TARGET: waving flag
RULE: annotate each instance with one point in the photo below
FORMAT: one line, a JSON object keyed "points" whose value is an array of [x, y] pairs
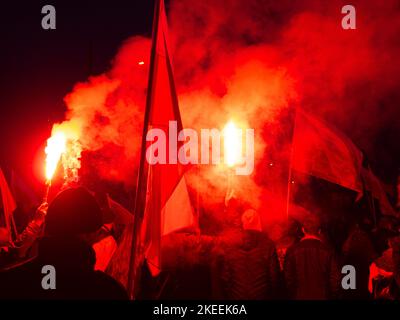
{"points": [[374, 185], [162, 201], [325, 153], [8, 205], [321, 151]]}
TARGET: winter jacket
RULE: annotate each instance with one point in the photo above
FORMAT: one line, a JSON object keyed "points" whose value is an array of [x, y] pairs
{"points": [[73, 261], [250, 268], [311, 271]]}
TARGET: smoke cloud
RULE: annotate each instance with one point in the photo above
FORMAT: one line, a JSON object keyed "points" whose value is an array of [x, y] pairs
{"points": [[251, 61]]}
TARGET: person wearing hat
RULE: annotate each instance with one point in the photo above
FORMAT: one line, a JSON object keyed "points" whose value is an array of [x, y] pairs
{"points": [[72, 221], [358, 250], [310, 268]]}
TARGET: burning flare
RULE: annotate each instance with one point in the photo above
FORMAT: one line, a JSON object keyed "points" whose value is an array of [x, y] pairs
{"points": [[232, 144], [56, 146], [64, 146]]}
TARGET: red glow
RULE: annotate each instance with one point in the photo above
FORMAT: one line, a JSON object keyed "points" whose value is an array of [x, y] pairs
{"points": [[219, 77]]}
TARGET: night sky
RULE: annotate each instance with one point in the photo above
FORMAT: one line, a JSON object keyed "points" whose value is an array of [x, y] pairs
{"points": [[39, 67]]}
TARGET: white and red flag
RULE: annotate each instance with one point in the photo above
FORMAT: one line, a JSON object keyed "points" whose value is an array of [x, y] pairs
{"points": [[162, 201]]}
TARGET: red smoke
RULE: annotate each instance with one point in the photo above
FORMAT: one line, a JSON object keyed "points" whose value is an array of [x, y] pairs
{"points": [[252, 60]]}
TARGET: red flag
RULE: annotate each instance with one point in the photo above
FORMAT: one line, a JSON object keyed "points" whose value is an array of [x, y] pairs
{"points": [[8, 205], [321, 151], [162, 199], [22, 192], [374, 185]]}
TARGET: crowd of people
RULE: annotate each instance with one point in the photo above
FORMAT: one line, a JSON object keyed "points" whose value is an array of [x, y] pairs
{"points": [[240, 263], [247, 264]]}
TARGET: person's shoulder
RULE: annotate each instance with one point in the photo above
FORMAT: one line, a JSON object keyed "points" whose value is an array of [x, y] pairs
{"points": [[292, 248], [305, 244], [266, 241], [320, 244], [112, 288]]}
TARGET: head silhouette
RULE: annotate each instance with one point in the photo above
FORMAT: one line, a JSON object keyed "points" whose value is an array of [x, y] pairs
{"points": [[251, 220], [73, 212], [311, 225]]}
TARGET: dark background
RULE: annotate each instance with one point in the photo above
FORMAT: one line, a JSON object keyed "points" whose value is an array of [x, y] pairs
{"points": [[39, 67]]}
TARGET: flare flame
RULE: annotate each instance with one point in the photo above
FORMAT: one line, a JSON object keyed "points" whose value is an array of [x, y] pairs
{"points": [[232, 144], [64, 146]]}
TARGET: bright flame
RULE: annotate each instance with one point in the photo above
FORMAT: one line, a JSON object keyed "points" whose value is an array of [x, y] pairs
{"points": [[56, 146], [64, 146], [232, 144]]}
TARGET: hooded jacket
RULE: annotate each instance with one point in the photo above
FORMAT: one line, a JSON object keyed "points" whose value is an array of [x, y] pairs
{"points": [[73, 261]]}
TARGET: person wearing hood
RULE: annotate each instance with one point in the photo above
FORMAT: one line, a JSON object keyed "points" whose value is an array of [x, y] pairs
{"points": [[73, 219], [310, 267]]}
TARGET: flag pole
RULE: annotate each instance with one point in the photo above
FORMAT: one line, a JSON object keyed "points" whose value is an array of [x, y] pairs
{"points": [[288, 192], [143, 168], [289, 186]]}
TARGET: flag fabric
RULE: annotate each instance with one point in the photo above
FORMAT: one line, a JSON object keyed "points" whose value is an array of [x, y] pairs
{"points": [[8, 205], [118, 266], [104, 249], [22, 192], [162, 195], [374, 185], [321, 151]]}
